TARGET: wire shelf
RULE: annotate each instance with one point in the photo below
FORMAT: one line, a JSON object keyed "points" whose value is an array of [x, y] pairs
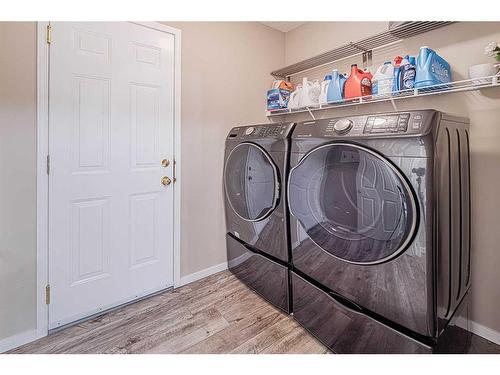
{"points": [[451, 87], [406, 30]]}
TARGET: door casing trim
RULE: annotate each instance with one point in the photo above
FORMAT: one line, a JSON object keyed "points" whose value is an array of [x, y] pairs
{"points": [[42, 178]]}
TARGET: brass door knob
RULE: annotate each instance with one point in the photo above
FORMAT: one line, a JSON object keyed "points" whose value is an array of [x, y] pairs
{"points": [[166, 181], [165, 163]]}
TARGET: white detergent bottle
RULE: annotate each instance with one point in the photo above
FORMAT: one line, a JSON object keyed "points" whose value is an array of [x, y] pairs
{"points": [[309, 94], [383, 79], [294, 100]]}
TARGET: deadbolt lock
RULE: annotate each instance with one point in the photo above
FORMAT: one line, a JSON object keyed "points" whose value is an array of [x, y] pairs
{"points": [[165, 163], [166, 181]]}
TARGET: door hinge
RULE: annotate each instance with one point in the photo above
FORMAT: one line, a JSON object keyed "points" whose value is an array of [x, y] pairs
{"points": [[48, 164], [49, 34], [47, 294]]}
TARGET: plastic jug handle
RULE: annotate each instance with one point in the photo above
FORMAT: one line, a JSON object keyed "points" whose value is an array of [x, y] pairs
{"points": [[276, 84]]}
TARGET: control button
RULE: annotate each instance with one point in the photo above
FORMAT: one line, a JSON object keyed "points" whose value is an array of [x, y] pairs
{"points": [[342, 126], [249, 130], [417, 117], [416, 125], [402, 124]]}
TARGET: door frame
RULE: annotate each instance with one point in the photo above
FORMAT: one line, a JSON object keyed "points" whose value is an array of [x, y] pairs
{"points": [[42, 178]]}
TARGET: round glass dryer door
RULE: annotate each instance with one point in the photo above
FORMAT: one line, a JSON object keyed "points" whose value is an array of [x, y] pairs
{"points": [[352, 203], [251, 182]]}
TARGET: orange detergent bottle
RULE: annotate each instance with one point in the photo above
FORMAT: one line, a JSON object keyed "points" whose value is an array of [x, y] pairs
{"points": [[358, 84]]}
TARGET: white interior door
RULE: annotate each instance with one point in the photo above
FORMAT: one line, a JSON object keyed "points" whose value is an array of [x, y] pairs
{"points": [[111, 96]]}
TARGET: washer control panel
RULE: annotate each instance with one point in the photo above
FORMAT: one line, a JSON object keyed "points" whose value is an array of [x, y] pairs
{"points": [[260, 131]]}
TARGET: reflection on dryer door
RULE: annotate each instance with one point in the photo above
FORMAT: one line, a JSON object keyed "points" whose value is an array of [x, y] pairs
{"points": [[352, 203], [250, 180]]}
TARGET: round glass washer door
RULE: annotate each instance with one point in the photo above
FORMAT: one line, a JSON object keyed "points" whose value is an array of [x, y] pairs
{"points": [[353, 203], [251, 182]]}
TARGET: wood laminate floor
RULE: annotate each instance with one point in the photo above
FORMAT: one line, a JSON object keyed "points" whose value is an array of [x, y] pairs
{"points": [[215, 315]]}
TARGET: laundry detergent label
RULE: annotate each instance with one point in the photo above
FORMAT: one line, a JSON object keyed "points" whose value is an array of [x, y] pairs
{"points": [[277, 98], [408, 78], [366, 86], [440, 71]]}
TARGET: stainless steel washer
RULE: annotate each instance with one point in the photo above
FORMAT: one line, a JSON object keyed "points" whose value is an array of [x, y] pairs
{"points": [[255, 169]]}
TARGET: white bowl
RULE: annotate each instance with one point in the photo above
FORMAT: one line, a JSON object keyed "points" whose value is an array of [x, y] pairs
{"points": [[481, 71]]}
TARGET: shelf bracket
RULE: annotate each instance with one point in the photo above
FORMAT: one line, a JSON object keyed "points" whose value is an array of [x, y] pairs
{"points": [[367, 59], [310, 112], [393, 102]]}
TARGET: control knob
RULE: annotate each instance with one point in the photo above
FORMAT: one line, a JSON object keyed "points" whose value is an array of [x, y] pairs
{"points": [[249, 130], [342, 126]]}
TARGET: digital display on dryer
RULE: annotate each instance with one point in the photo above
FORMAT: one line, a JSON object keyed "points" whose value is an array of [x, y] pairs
{"points": [[386, 124]]}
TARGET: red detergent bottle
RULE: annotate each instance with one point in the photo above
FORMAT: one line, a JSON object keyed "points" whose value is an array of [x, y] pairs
{"points": [[358, 84]]}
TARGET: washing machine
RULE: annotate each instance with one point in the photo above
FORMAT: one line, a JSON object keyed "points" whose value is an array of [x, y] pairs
{"points": [[257, 239], [380, 231]]}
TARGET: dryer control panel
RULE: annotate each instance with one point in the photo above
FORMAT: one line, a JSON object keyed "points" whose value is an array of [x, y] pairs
{"points": [[387, 123], [376, 125]]}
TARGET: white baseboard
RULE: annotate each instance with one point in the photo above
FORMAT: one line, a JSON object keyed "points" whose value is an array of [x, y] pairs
{"points": [[22, 338], [479, 329], [485, 332], [201, 274]]}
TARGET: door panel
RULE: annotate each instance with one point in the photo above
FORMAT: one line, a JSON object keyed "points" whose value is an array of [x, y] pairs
{"points": [[91, 123], [144, 106], [90, 242], [111, 124]]}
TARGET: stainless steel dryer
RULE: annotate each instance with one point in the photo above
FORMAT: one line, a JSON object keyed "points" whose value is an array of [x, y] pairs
{"points": [[255, 167], [380, 231]]}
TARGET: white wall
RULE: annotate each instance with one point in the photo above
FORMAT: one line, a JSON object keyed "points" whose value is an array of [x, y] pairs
{"points": [[314, 38], [225, 75], [462, 45], [17, 178]]}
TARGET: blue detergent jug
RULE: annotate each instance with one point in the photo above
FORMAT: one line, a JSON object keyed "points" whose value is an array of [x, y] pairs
{"points": [[397, 64], [335, 91], [431, 68]]}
